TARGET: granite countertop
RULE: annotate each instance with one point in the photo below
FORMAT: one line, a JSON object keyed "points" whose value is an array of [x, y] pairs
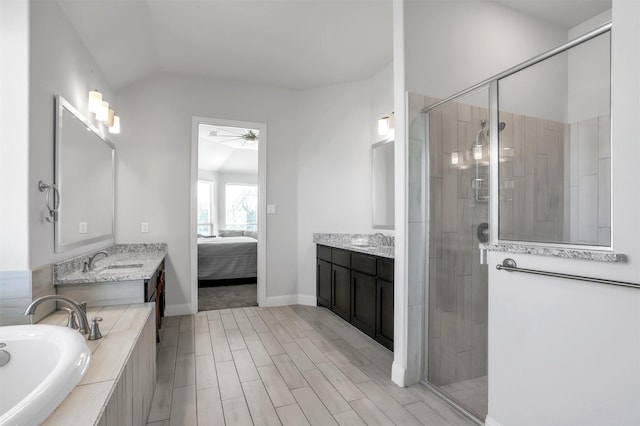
{"points": [[126, 262], [361, 243], [584, 254]]}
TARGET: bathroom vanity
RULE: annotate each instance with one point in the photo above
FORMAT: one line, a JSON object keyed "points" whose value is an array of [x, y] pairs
{"points": [[130, 273], [356, 283]]}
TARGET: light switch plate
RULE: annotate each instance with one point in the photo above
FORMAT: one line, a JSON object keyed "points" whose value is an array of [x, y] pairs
{"points": [[144, 227], [271, 208]]}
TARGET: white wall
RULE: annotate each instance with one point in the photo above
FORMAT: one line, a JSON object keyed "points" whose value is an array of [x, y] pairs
{"points": [[59, 65], [586, 336], [153, 170], [588, 77], [336, 130], [451, 45], [14, 135]]}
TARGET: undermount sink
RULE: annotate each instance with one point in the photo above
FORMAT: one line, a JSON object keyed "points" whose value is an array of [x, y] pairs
{"points": [[46, 363], [121, 268]]}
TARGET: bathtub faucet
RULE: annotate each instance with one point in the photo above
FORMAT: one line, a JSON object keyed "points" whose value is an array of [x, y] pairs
{"points": [[75, 306]]}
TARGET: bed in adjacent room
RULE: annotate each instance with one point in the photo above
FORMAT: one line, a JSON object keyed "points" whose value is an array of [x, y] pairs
{"points": [[227, 258]]}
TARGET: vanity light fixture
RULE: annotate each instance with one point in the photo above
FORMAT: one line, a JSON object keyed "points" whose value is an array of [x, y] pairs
{"points": [[386, 125], [98, 106], [116, 125], [103, 112], [95, 101], [110, 116]]}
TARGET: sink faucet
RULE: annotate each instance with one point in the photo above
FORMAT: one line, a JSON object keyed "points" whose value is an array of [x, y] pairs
{"points": [[88, 264], [386, 240], [77, 308]]}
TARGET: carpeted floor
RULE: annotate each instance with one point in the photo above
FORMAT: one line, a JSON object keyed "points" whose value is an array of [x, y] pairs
{"points": [[228, 296]]}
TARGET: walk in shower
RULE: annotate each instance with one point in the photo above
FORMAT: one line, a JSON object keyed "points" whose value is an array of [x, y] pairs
{"points": [[506, 166]]}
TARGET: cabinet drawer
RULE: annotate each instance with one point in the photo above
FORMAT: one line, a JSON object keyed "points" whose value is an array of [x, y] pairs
{"points": [[324, 253], [363, 263], [341, 257], [385, 269]]}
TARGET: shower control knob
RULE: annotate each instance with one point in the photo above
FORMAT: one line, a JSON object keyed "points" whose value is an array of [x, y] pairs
{"points": [[483, 232]]}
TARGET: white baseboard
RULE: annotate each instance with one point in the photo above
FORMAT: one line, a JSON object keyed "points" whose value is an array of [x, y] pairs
{"points": [[177, 310], [398, 374], [289, 299], [488, 421], [304, 299]]}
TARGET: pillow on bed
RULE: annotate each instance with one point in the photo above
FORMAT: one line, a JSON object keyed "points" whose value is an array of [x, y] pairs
{"points": [[229, 233], [252, 234]]}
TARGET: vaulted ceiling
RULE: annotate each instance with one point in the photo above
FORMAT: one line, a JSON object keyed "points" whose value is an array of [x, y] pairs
{"points": [[295, 44]]}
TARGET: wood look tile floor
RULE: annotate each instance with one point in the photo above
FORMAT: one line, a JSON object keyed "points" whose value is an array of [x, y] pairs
{"points": [[291, 365]]}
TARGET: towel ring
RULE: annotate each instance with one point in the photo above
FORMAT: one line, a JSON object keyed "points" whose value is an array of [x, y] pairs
{"points": [[53, 211]]}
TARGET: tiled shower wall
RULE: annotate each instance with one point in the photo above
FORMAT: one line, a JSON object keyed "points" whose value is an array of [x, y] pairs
{"points": [[549, 174], [589, 183], [458, 283], [532, 180], [532, 203]]}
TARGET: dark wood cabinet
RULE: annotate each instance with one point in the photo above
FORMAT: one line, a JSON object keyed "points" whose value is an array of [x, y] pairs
{"points": [[384, 313], [341, 302], [363, 302], [359, 288], [323, 282]]}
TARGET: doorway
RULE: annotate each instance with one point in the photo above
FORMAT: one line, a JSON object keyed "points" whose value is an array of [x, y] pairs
{"points": [[228, 213]]}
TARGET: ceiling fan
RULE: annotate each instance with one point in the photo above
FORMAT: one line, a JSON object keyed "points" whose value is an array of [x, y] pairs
{"points": [[233, 135]]}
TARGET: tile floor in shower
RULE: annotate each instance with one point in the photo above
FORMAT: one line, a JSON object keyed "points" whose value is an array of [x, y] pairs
{"points": [[471, 393]]}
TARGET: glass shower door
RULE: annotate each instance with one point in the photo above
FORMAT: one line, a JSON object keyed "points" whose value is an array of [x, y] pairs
{"points": [[458, 216]]}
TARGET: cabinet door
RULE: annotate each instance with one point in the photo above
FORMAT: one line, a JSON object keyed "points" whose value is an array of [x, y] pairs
{"points": [[363, 302], [341, 303], [323, 283], [384, 315]]}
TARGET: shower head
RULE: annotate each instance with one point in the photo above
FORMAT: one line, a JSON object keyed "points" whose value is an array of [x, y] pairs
{"points": [[501, 126]]}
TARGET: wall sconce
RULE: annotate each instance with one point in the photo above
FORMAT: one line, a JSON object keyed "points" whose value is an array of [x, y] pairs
{"points": [[454, 158], [100, 108], [386, 125]]}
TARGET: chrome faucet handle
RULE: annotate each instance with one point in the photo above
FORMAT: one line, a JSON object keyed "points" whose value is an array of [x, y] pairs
{"points": [[83, 306], [72, 322], [95, 334]]}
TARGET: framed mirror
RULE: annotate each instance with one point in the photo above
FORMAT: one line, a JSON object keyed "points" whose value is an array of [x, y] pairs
{"points": [[555, 148], [382, 183], [85, 177]]}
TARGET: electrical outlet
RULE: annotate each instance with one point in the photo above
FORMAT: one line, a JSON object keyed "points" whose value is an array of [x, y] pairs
{"points": [[83, 228], [144, 227], [271, 208]]}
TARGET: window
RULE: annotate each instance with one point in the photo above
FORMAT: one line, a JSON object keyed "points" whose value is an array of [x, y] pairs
{"points": [[205, 207], [241, 203]]}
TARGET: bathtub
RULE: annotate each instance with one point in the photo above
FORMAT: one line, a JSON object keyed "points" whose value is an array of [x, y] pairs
{"points": [[46, 363]]}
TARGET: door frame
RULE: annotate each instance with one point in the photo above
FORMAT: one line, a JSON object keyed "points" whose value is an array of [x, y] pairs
{"points": [[262, 204]]}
